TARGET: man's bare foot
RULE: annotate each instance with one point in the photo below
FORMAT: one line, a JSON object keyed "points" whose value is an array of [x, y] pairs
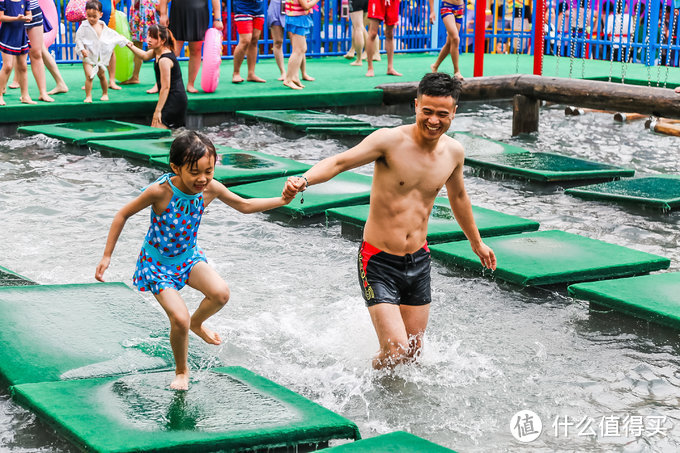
{"points": [[27, 100], [356, 63], [105, 97], [130, 81], [181, 382], [298, 83], [46, 98], [255, 78], [458, 76], [308, 78], [370, 73], [114, 86], [291, 84], [58, 89], [236, 78], [152, 90], [209, 336], [13, 85], [191, 89], [434, 67], [88, 100], [393, 72]]}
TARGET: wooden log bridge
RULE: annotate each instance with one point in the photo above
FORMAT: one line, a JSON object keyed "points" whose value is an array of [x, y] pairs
{"points": [[528, 90]]}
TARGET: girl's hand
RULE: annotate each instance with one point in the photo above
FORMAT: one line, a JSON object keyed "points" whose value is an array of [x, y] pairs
{"points": [[101, 268], [433, 17], [84, 53], [156, 120], [28, 17], [217, 23], [164, 20]]}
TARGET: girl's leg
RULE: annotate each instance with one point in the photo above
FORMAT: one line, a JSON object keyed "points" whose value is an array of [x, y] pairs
{"points": [[134, 79], [105, 84], [112, 73], [194, 64], [180, 320], [303, 69], [52, 67], [88, 82], [35, 35], [277, 48], [443, 53], [376, 45], [373, 26], [358, 31], [294, 61], [206, 280], [453, 40], [239, 55], [252, 56], [22, 74], [5, 72]]}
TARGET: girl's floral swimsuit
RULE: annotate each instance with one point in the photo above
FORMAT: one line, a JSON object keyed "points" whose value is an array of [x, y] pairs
{"points": [[169, 252]]}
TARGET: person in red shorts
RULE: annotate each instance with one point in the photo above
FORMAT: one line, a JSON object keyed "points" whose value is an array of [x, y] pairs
{"points": [[249, 20], [382, 11]]}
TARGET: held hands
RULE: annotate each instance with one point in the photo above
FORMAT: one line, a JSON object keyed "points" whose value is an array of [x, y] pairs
{"points": [[101, 268], [293, 185], [486, 256]]}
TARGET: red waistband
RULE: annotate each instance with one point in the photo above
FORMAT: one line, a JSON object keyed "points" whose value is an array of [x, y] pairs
{"points": [[371, 250]]}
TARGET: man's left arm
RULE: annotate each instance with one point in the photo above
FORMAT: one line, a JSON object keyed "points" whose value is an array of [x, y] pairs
{"points": [[462, 210]]}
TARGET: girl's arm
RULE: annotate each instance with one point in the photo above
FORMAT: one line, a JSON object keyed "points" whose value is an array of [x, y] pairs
{"points": [[308, 4], [246, 205], [145, 55], [165, 65], [217, 15], [163, 13], [146, 199]]}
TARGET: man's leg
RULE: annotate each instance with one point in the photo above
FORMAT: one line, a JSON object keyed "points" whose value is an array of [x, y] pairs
{"points": [[415, 319], [373, 25], [389, 49], [392, 335]]}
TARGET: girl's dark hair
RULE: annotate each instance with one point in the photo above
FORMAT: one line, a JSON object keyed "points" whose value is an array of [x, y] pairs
{"points": [[189, 147], [157, 31], [94, 4], [439, 84]]}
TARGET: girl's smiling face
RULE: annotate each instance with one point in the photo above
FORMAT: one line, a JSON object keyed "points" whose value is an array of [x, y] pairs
{"points": [[93, 16]]}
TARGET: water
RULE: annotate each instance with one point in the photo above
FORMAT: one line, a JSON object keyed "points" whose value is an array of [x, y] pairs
{"points": [[296, 315]]}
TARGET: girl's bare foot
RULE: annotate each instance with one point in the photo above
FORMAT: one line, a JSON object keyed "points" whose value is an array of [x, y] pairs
{"points": [[88, 100], [191, 89], [13, 85], [350, 54], [393, 72], [254, 78], [27, 100], [46, 98], [131, 81], [370, 73], [282, 77], [298, 83], [2, 101], [376, 57], [105, 97], [458, 75], [356, 63], [58, 89], [181, 382], [434, 67], [207, 335], [236, 78], [308, 78], [114, 86], [291, 84], [152, 90]]}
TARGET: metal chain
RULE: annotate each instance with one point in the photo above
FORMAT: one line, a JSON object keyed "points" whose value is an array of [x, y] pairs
{"points": [[629, 51], [586, 31], [572, 42], [668, 55], [648, 45], [611, 50], [663, 29]]}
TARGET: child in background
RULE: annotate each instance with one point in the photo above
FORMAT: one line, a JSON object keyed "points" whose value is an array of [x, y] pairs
{"points": [[452, 13], [299, 25], [14, 44], [170, 257], [95, 42]]}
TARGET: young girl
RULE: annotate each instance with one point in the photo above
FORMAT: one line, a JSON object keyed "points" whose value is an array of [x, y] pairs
{"points": [[95, 42], [171, 108], [170, 257], [299, 25], [13, 44]]}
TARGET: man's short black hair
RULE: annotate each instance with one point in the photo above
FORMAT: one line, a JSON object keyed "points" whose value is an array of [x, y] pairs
{"points": [[439, 84]]}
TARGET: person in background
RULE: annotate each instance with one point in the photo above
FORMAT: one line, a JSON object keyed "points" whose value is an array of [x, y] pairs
{"points": [[143, 14], [249, 21]]}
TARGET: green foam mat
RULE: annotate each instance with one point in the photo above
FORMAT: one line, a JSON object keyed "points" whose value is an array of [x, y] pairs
{"points": [[396, 442], [229, 409], [475, 145], [442, 225], [140, 149], [301, 119], [81, 133], [552, 257], [10, 278], [361, 131], [657, 191], [53, 332], [547, 167], [346, 189], [655, 297], [238, 166]]}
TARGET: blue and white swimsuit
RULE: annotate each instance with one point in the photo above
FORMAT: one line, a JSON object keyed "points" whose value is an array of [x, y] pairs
{"points": [[170, 252]]}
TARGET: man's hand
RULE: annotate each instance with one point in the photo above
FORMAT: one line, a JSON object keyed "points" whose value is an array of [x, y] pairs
{"points": [[486, 256]]}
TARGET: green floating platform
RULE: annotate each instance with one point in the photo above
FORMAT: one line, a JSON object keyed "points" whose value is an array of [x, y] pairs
{"points": [[238, 166], [551, 257], [396, 442], [81, 133], [475, 145], [442, 225], [655, 298], [302, 119], [346, 189], [54, 332], [656, 191], [10, 278], [229, 409], [360, 131], [547, 167], [139, 149]]}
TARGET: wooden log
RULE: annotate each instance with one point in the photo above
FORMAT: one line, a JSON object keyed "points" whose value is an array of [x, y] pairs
{"points": [[573, 111], [524, 114], [667, 128], [628, 117]]}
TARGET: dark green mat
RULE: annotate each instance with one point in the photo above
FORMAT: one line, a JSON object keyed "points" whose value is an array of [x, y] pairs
{"points": [[361, 131], [301, 119], [442, 226], [140, 149], [9, 278], [397, 442], [655, 297], [547, 167], [551, 257], [346, 189], [475, 145], [657, 191], [238, 166], [81, 133], [228, 409], [53, 332]]}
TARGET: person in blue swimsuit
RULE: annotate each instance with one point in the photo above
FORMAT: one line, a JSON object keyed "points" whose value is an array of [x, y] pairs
{"points": [[13, 44], [170, 257]]}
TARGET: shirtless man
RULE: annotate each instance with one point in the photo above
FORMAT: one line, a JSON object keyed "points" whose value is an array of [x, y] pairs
{"points": [[412, 164]]}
